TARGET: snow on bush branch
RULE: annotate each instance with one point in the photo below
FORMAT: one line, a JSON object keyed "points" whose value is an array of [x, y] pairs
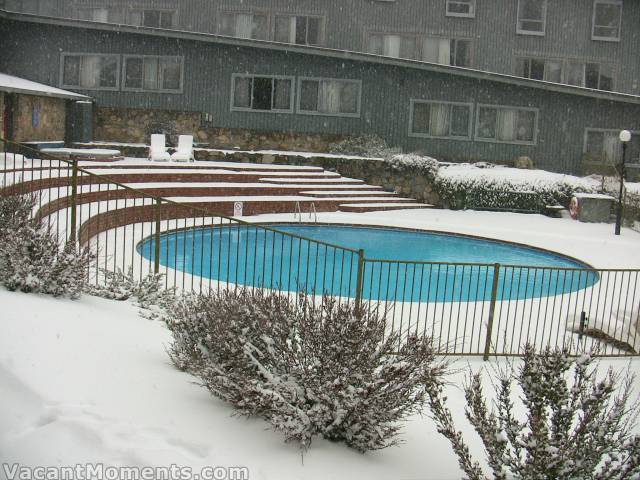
{"points": [[31, 259], [577, 425], [307, 369]]}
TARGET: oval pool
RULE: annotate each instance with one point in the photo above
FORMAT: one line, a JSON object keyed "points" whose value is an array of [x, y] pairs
{"points": [[406, 265]]}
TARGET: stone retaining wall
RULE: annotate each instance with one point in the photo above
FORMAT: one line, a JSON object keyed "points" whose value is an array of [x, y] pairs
{"points": [[136, 125]]}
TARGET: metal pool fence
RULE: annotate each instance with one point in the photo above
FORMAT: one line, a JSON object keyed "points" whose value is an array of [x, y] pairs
{"points": [[468, 309]]}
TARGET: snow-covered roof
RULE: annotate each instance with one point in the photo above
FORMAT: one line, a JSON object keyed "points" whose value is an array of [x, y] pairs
{"points": [[9, 83]]}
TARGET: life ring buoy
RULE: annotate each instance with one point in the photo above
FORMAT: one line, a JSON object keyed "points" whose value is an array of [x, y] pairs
{"points": [[574, 208]]}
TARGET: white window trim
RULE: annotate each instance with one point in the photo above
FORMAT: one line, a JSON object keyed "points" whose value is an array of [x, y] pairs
{"points": [[602, 130], [422, 38], [159, 57], [323, 114], [529, 32], [64, 55], [507, 107], [460, 15], [593, 21], [414, 101], [323, 23], [254, 75]]}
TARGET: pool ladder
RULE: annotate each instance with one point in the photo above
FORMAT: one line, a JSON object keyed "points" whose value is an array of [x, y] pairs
{"points": [[313, 213]]}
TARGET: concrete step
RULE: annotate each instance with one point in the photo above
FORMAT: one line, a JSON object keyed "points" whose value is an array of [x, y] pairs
{"points": [[382, 206], [306, 180]]}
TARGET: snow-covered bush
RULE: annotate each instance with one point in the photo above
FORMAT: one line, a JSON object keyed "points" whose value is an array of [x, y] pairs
{"points": [[364, 145], [31, 259], [308, 370], [496, 187], [577, 425], [415, 165], [148, 292]]}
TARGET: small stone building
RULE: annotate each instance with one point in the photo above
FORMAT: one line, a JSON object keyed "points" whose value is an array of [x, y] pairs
{"points": [[34, 112]]}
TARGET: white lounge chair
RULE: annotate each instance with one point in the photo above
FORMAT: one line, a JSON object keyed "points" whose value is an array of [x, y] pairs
{"points": [[184, 152], [158, 149]]}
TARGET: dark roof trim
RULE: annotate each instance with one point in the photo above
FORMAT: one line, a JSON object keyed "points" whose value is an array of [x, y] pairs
{"points": [[327, 52]]}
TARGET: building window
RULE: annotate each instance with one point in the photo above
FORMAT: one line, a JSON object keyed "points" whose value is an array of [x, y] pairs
{"points": [[440, 120], [581, 74], [90, 71], [447, 51], [506, 124], [539, 69], [602, 145], [590, 75], [153, 73], [95, 14], [301, 30], [391, 45], [153, 18], [461, 8], [329, 97], [244, 25], [264, 93], [607, 17], [532, 17]]}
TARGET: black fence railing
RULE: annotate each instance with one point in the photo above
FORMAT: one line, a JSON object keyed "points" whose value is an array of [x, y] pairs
{"points": [[468, 309]]}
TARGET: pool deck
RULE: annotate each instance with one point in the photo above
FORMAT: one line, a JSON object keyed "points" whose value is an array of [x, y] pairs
{"points": [[593, 243]]}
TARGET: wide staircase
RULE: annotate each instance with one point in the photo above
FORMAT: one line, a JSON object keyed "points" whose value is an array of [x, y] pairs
{"points": [[222, 187]]}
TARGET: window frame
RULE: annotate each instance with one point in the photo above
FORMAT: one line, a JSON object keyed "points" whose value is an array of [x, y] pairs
{"points": [[473, 4], [64, 55], [593, 21], [565, 67], [536, 123], [265, 13], [520, 31], [605, 130], [417, 37], [414, 101], [324, 114], [321, 18], [173, 11], [292, 94], [159, 57], [452, 41]]}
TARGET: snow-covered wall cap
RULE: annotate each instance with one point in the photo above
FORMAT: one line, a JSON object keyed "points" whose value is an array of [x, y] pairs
{"points": [[11, 84]]}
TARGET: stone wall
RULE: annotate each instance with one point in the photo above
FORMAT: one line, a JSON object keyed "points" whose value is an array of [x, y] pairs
{"points": [[135, 126], [38, 118]]}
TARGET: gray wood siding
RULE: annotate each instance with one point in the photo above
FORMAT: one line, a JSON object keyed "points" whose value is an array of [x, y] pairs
{"points": [[493, 30], [386, 92]]}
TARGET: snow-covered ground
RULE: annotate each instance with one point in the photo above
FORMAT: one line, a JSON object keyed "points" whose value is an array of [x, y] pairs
{"points": [[90, 381]]}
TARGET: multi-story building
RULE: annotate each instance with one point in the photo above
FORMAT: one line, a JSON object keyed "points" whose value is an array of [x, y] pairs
{"points": [[587, 43], [278, 83]]}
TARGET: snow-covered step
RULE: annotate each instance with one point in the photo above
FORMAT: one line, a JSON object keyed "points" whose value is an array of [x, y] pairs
{"points": [[337, 180], [374, 207], [347, 193]]}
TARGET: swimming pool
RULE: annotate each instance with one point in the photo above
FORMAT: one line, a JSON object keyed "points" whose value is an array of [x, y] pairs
{"points": [[401, 265]]}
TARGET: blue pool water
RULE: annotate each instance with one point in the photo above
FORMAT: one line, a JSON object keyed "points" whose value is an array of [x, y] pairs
{"points": [[252, 256]]}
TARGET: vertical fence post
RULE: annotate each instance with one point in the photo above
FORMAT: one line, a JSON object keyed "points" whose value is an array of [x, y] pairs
{"points": [[492, 311], [359, 278], [74, 200], [156, 237]]}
